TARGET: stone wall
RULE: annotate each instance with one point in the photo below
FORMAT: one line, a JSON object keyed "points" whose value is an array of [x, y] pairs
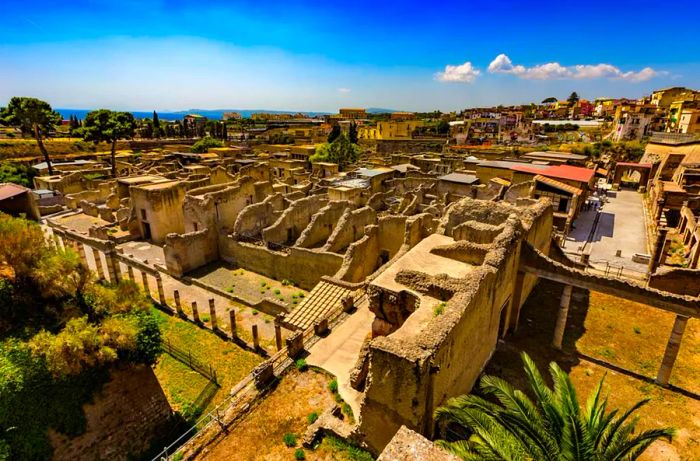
{"points": [[350, 228], [254, 218], [676, 280], [413, 372], [126, 416], [287, 229], [304, 267], [186, 252], [322, 225]]}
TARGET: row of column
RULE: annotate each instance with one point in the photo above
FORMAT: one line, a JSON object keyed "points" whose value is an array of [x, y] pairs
{"points": [[114, 274], [672, 346]]}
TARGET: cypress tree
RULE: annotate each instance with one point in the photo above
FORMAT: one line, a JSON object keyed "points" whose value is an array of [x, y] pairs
{"points": [[156, 125]]}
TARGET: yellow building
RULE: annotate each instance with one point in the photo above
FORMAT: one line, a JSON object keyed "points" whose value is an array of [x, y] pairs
{"points": [[390, 130], [665, 97], [676, 111], [689, 121], [352, 113]]}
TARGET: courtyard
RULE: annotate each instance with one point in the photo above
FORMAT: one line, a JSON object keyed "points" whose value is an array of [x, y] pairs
{"points": [[620, 227], [622, 342]]}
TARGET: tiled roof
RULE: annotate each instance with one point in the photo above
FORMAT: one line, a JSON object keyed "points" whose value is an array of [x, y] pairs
{"points": [[558, 185], [9, 189], [572, 173]]}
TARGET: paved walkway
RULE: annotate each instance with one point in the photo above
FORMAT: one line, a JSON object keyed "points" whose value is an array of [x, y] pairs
{"points": [[338, 352], [620, 228]]}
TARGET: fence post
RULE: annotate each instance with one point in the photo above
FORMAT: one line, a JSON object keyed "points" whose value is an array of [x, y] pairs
{"points": [[212, 313], [256, 338], [178, 306], [232, 318], [195, 312]]}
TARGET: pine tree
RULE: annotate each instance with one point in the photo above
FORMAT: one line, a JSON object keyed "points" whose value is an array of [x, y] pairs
{"points": [[156, 125], [335, 132], [352, 132]]}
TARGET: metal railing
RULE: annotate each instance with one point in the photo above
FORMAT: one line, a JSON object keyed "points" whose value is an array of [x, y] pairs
{"points": [[186, 358], [618, 271]]}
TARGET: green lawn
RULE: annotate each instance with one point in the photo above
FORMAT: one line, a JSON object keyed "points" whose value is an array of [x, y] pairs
{"points": [[186, 389]]}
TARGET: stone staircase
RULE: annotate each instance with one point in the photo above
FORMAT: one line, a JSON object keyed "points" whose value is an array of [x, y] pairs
{"points": [[323, 299]]}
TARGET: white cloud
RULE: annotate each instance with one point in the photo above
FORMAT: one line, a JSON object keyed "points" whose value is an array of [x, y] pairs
{"points": [[344, 90], [553, 70], [465, 73]]}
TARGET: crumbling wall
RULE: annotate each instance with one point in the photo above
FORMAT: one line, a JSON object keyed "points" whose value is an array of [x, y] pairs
{"points": [[391, 234], [350, 228], [322, 225], [254, 218], [186, 252], [287, 229], [676, 280], [362, 257], [414, 371], [304, 267]]}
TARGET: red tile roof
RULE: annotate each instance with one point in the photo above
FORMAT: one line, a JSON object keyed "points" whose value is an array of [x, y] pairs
{"points": [[8, 190], [572, 173]]}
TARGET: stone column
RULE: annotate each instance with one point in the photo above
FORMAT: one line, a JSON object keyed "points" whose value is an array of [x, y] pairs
{"points": [[144, 279], [232, 319], [80, 248], [130, 271], [212, 313], [98, 263], [256, 338], [514, 311], [112, 267], [161, 291], [657, 251], [57, 242], [278, 336], [561, 317], [672, 347], [178, 306], [195, 312]]}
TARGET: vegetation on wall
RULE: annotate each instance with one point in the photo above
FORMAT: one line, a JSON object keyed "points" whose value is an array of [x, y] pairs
{"points": [[59, 332]]}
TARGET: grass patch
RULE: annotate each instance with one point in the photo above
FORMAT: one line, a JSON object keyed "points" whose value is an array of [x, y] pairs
{"points": [[181, 384], [301, 365], [312, 418], [341, 447], [299, 454], [439, 309]]}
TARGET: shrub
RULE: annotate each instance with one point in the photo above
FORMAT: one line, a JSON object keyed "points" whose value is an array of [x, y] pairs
{"points": [[277, 291], [347, 410], [289, 439], [439, 309], [637, 330], [299, 454], [333, 386], [301, 365], [312, 417]]}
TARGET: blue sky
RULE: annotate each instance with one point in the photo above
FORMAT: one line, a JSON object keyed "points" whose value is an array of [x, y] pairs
{"points": [[299, 55]]}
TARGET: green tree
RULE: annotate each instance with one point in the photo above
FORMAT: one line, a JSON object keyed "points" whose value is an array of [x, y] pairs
{"points": [[204, 144], [156, 125], [104, 125], [443, 127], [33, 116], [335, 132], [554, 427], [340, 151], [549, 100], [573, 98]]}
